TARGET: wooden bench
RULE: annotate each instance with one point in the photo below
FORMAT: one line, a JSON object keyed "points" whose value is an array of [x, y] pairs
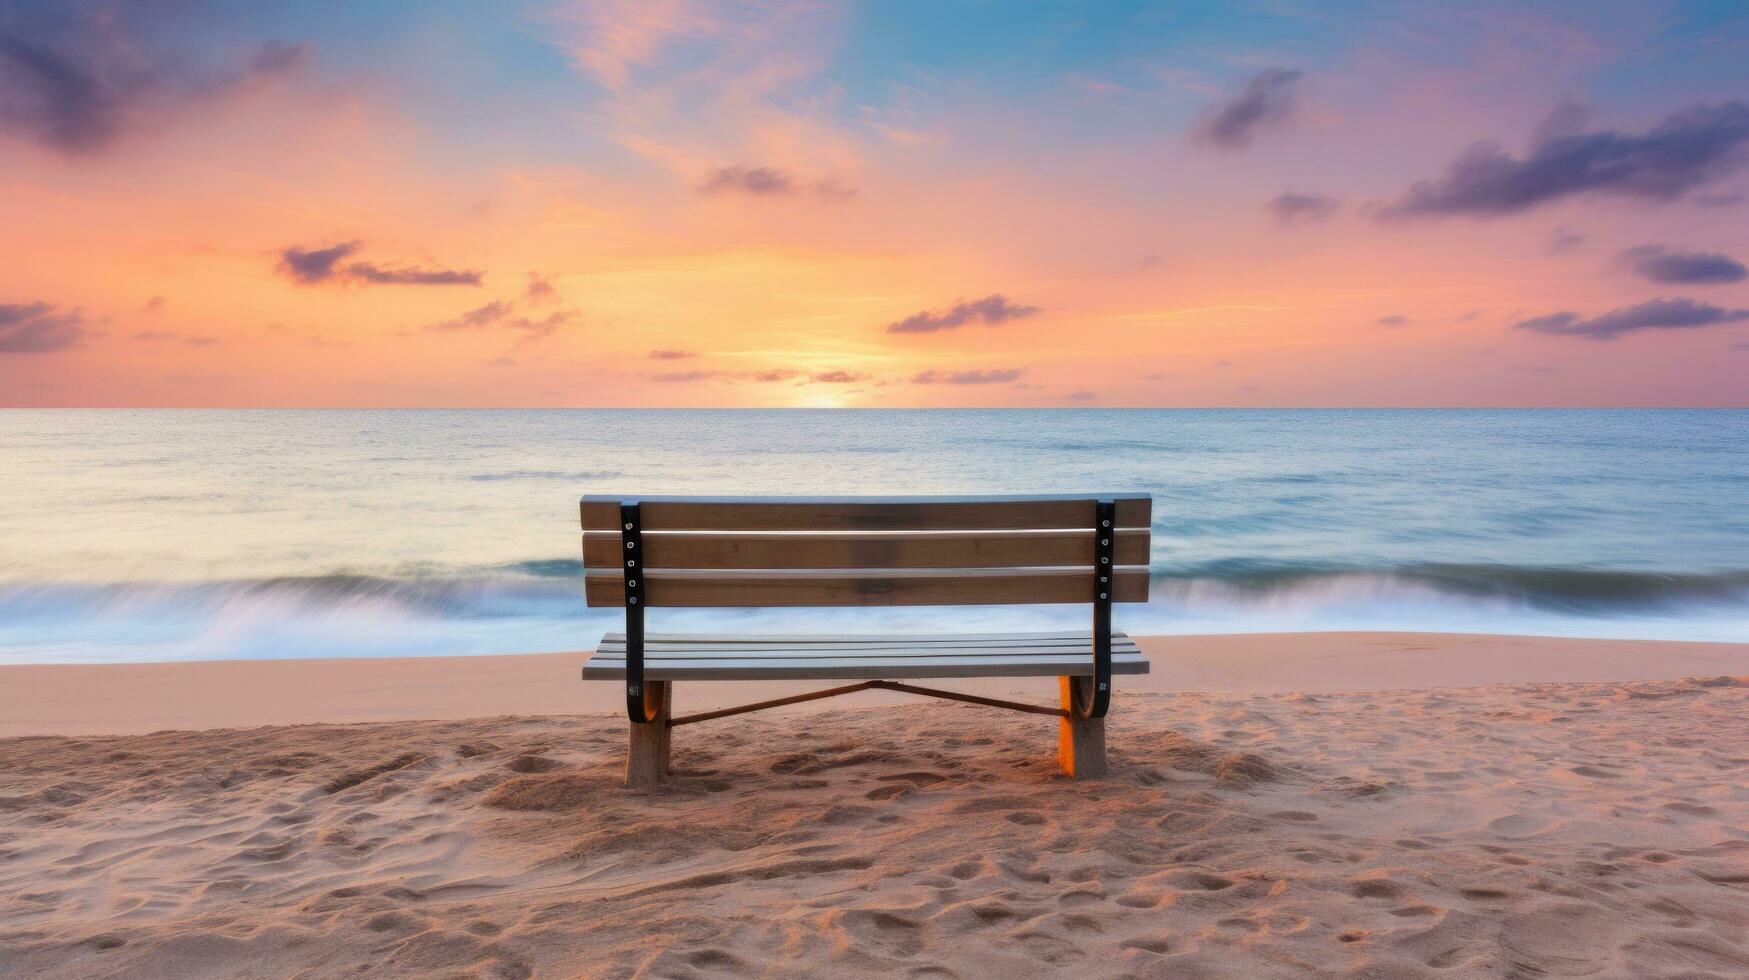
{"points": [[865, 551]]}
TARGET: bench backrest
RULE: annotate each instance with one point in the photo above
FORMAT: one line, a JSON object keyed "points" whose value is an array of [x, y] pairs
{"points": [[856, 551]]}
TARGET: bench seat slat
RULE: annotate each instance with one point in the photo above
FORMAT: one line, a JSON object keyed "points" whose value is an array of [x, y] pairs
{"points": [[862, 668], [704, 657], [872, 646], [888, 638], [804, 653]]}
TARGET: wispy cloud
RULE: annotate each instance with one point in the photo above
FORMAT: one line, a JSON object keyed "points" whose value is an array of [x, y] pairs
{"points": [[37, 328], [501, 314], [1267, 101], [412, 276], [1293, 208], [540, 291], [1657, 314], [1564, 241], [1683, 152], [1393, 320], [990, 377], [310, 266], [671, 355], [683, 377], [837, 377], [992, 310], [1660, 264], [771, 182], [615, 38], [168, 336], [748, 180]]}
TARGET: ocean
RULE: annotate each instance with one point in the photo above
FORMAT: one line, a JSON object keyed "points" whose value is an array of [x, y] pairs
{"points": [[151, 535]]}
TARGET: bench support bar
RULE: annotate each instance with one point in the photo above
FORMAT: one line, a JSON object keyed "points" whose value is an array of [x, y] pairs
{"points": [[1080, 740], [832, 692]]}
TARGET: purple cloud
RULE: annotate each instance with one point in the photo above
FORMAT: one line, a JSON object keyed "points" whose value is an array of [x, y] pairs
{"points": [[166, 336], [837, 377], [501, 314], [37, 328], [313, 265], [75, 79], [310, 266], [1564, 241], [1266, 101], [1657, 314], [759, 181], [370, 272], [540, 290], [1684, 151], [771, 182], [670, 355], [1291, 209], [1659, 264], [996, 376], [992, 310]]}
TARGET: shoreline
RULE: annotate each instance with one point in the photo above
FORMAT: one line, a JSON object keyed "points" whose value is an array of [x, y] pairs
{"points": [[134, 699]]}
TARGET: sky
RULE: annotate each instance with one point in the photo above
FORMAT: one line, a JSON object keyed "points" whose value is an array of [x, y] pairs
{"points": [[880, 204]]}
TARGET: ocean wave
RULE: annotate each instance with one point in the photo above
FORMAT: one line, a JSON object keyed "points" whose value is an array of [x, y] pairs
{"points": [[552, 584], [538, 605], [1602, 591]]}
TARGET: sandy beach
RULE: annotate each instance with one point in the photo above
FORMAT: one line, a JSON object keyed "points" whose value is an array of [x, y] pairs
{"points": [[1290, 805]]}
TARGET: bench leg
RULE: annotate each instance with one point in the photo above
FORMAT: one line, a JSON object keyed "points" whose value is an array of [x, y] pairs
{"points": [[1080, 741], [647, 752]]}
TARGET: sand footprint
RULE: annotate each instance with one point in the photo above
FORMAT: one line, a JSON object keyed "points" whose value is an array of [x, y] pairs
{"points": [[886, 930]]}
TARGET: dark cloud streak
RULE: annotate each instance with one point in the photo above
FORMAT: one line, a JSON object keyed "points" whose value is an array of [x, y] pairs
{"points": [[373, 273], [1657, 314], [1292, 208], [38, 328], [1684, 151], [500, 314], [759, 181], [990, 377], [313, 265], [771, 182], [75, 81], [1659, 264], [1266, 101], [992, 310], [310, 266]]}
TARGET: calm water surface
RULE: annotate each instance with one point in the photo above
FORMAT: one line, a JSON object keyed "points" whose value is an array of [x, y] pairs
{"points": [[153, 535]]}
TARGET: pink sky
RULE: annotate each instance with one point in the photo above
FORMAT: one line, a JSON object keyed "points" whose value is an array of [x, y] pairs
{"points": [[677, 203]]}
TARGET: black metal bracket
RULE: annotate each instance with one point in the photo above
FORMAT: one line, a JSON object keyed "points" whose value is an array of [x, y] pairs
{"points": [[640, 707], [1104, 580]]}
